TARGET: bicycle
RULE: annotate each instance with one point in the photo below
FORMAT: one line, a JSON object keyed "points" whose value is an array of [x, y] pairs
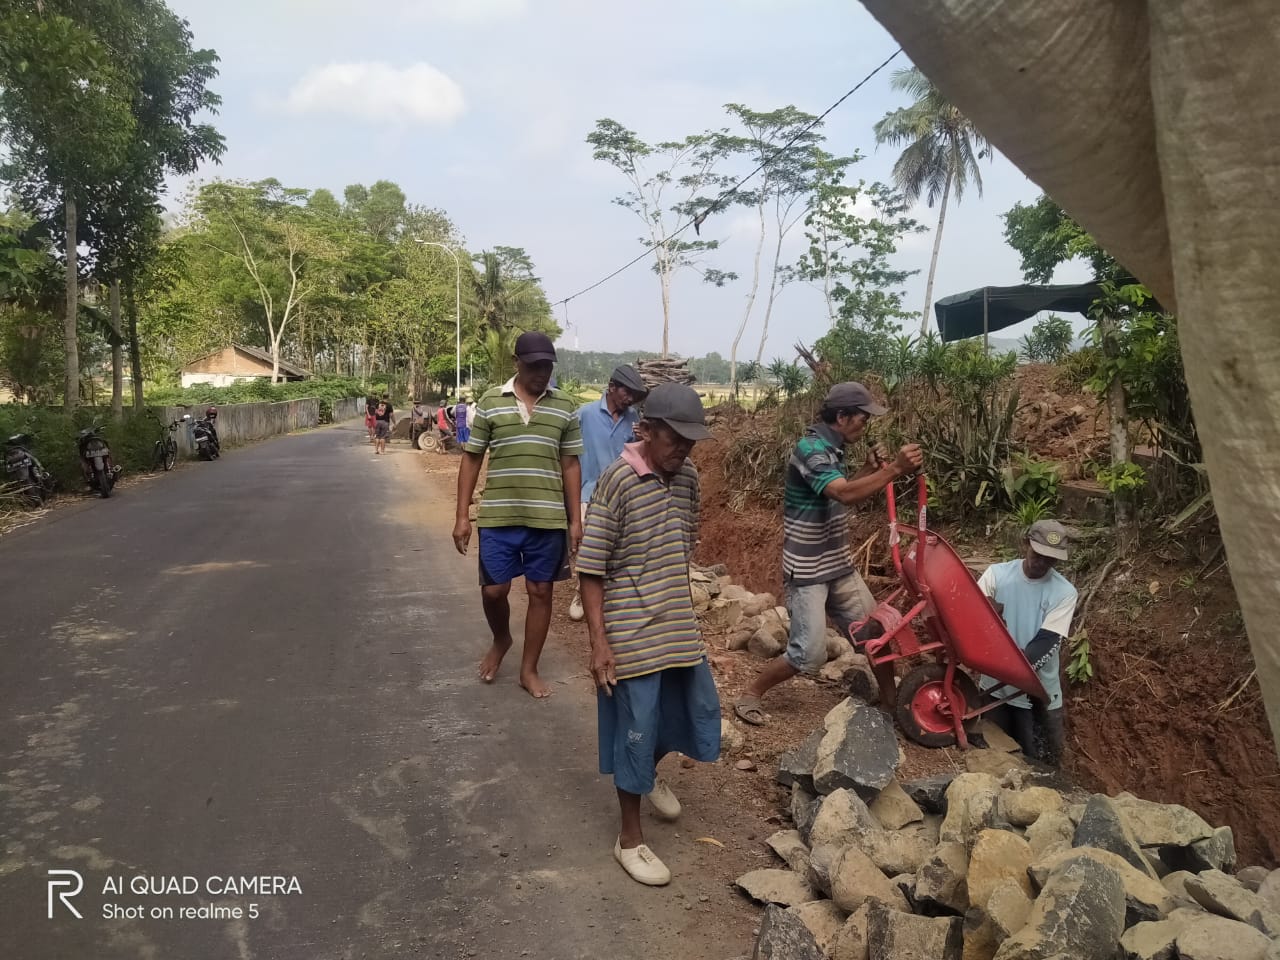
{"points": [[166, 448]]}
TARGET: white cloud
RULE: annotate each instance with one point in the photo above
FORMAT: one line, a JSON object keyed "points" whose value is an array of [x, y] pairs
{"points": [[466, 11], [418, 93]]}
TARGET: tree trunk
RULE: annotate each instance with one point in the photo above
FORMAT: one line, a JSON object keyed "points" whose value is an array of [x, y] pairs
{"points": [[933, 262], [1118, 411], [117, 354], [773, 295], [71, 388], [751, 302], [135, 352], [664, 275]]}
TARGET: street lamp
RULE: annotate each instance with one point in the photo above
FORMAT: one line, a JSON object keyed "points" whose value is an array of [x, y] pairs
{"points": [[457, 290]]}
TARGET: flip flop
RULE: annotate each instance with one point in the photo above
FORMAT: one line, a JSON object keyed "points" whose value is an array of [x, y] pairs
{"points": [[750, 710]]}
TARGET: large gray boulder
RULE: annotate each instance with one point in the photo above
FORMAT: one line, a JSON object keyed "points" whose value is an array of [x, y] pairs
{"points": [[1161, 824], [1153, 940], [776, 886], [1050, 829], [1145, 898], [819, 872], [1008, 909], [1217, 852], [1101, 826], [796, 766], [1024, 807], [1269, 890], [859, 751], [1217, 938], [784, 936], [894, 851], [804, 809], [841, 819], [1079, 914], [855, 880], [972, 806], [1227, 897], [942, 882], [853, 940], [903, 936]]}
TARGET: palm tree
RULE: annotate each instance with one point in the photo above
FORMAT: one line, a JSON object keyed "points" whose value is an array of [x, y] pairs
{"points": [[943, 148]]}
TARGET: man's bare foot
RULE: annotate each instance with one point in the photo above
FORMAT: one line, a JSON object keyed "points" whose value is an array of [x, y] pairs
{"points": [[493, 660], [530, 680]]}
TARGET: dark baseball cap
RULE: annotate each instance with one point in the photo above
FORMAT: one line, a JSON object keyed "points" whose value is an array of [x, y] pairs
{"points": [[853, 396], [627, 376], [679, 407], [1049, 538], [533, 346]]}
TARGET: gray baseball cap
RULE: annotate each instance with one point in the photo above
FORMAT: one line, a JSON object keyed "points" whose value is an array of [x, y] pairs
{"points": [[1049, 538], [627, 376], [851, 395], [679, 407]]}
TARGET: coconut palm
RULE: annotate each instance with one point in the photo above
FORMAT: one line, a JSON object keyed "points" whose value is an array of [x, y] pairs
{"points": [[943, 148]]}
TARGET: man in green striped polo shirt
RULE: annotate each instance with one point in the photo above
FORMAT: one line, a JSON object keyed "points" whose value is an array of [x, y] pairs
{"points": [[817, 564], [529, 517], [655, 693]]}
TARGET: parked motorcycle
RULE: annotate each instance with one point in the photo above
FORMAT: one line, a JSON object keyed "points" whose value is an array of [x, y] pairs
{"points": [[205, 437], [24, 471], [100, 472]]}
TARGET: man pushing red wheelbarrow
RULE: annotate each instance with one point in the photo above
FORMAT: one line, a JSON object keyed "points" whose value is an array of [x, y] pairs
{"points": [[945, 615]]}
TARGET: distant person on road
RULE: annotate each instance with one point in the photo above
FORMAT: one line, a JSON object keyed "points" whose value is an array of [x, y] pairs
{"points": [[417, 422], [655, 693], [460, 421], [817, 563], [370, 418], [1037, 604], [529, 517], [382, 420], [608, 425]]}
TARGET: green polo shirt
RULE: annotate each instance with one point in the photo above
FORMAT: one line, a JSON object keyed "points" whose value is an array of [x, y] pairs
{"points": [[525, 487]]}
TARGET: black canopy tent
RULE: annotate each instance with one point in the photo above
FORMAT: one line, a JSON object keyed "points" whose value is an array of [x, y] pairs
{"points": [[988, 309]]}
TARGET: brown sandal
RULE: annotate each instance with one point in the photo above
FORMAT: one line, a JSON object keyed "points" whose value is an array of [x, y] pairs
{"points": [[750, 710]]}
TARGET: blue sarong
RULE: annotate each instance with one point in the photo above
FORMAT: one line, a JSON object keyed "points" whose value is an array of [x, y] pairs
{"points": [[677, 709]]}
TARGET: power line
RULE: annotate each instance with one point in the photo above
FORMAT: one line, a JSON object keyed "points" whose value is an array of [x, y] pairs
{"points": [[715, 204]]}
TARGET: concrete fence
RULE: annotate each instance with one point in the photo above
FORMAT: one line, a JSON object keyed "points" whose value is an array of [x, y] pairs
{"points": [[348, 409], [242, 422]]}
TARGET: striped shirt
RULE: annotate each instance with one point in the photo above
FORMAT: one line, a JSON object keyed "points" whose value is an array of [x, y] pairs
{"points": [[639, 536], [815, 528], [525, 487]]}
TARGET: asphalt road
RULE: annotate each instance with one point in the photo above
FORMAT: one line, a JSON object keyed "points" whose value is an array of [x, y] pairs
{"points": [[265, 667]]}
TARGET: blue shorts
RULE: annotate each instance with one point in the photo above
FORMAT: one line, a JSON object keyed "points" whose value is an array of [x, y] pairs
{"points": [[540, 556], [648, 717]]}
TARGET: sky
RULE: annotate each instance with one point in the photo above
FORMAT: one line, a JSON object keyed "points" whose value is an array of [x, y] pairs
{"points": [[482, 107]]}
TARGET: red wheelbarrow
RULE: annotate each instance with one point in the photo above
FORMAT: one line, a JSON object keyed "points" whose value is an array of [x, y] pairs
{"points": [[947, 618]]}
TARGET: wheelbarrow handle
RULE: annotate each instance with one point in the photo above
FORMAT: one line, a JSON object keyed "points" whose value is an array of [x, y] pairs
{"points": [[922, 519]]}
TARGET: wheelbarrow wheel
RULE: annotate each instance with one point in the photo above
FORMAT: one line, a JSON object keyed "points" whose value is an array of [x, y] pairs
{"points": [[923, 711]]}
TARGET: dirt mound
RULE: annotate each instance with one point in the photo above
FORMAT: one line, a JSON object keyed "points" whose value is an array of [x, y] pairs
{"points": [[1058, 420]]}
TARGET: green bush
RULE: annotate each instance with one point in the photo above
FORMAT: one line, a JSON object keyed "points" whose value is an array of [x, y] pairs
{"points": [[131, 440], [1049, 340]]}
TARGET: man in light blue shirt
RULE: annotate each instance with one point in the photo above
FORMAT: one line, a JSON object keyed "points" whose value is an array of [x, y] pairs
{"points": [[1037, 604], [608, 425]]}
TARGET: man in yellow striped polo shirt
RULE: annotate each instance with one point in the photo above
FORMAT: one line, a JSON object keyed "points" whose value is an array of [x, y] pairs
{"points": [[529, 517], [655, 692]]}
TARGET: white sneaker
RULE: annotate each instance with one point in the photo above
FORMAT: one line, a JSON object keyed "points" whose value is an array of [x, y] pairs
{"points": [[665, 804], [576, 613], [642, 865]]}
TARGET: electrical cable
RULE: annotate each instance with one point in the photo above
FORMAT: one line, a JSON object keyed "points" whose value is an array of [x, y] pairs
{"points": [[714, 205]]}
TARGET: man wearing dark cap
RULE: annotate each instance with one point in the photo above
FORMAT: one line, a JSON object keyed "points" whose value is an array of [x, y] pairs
{"points": [[1037, 604], [655, 693], [817, 563], [608, 424], [529, 517]]}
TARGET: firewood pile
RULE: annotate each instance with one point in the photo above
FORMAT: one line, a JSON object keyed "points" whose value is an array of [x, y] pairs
{"points": [[665, 370]]}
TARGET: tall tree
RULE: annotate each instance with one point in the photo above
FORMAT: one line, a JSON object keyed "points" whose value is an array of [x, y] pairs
{"points": [[943, 148], [784, 181], [1045, 237], [66, 122], [664, 184]]}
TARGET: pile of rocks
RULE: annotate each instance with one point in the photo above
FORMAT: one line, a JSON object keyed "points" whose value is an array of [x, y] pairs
{"points": [[755, 622], [975, 866]]}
